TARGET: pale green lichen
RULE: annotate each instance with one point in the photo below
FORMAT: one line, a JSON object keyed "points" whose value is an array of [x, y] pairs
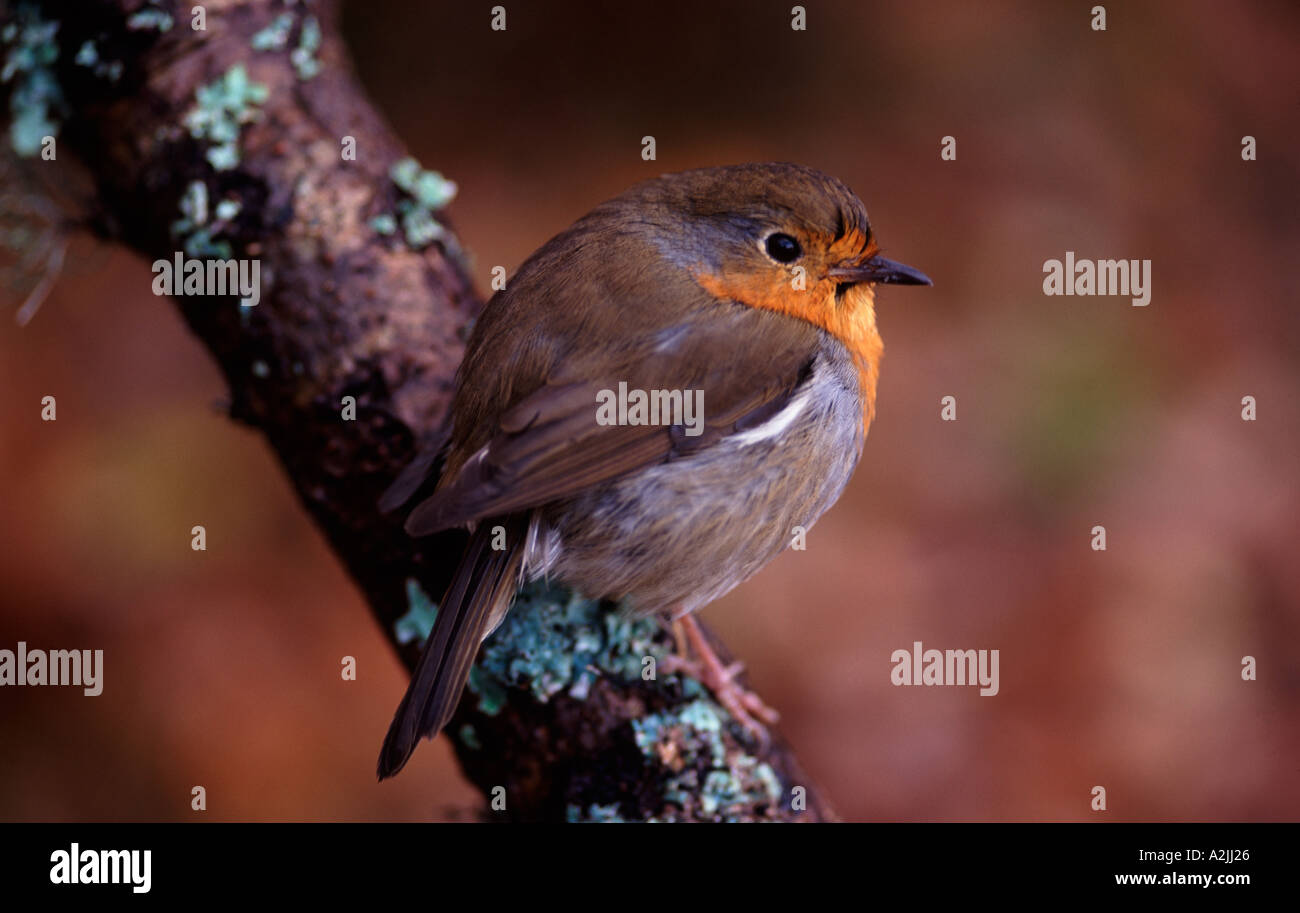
{"points": [[221, 108], [303, 56], [429, 188], [36, 101], [491, 692], [197, 230], [704, 775], [275, 36], [554, 640], [595, 813], [150, 18], [747, 783], [424, 193], [88, 56], [418, 620], [699, 717], [194, 204], [420, 227], [469, 738], [200, 243]]}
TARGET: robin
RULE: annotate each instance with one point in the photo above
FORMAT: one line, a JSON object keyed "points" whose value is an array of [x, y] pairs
{"points": [[746, 290]]}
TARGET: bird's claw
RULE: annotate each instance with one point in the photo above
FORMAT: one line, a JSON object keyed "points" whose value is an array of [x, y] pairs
{"points": [[745, 707]]}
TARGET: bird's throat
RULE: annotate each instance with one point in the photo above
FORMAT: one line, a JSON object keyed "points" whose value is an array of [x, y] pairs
{"points": [[849, 316]]}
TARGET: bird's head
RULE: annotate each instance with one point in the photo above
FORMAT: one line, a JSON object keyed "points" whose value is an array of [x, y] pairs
{"points": [[782, 237]]}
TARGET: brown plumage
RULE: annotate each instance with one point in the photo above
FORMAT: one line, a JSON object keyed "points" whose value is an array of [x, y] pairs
{"points": [[681, 283]]}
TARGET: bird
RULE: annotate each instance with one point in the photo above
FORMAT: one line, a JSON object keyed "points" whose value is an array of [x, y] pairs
{"points": [[746, 290]]}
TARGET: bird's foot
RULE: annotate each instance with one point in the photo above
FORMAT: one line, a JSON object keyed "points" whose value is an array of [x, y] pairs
{"points": [[746, 707]]}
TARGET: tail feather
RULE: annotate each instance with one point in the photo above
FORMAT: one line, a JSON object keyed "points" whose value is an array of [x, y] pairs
{"points": [[417, 474], [484, 579]]}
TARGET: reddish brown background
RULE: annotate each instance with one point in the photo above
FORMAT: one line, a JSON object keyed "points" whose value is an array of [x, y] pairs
{"points": [[1119, 668]]}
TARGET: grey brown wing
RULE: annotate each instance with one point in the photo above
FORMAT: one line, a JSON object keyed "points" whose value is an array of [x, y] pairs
{"points": [[549, 445]]}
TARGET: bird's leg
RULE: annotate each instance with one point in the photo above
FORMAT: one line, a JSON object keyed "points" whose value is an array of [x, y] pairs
{"points": [[679, 639], [743, 704]]}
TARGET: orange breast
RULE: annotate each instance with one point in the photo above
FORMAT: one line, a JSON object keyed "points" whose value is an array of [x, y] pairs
{"points": [[851, 319]]}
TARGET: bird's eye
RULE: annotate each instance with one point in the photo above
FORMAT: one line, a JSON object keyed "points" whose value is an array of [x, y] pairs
{"points": [[783, 248]]}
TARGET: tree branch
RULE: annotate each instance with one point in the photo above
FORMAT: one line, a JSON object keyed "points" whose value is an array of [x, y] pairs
{"points": [[227, 142]]}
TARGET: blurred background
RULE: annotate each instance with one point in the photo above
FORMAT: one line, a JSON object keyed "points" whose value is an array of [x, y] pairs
{"points": [[1119, 668]]}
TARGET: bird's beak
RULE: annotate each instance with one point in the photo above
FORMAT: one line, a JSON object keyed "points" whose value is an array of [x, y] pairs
{"points": [[878, 269]]}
